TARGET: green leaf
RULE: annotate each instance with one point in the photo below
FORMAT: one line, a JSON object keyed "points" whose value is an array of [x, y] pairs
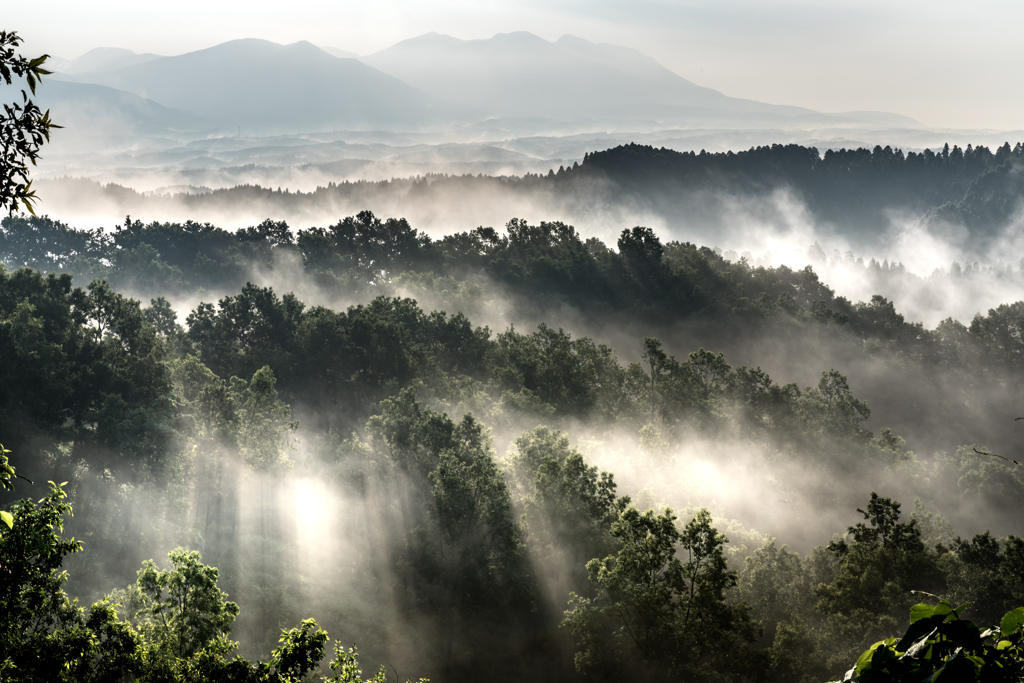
{"points": [[7, 518], [921, 611], [961, 608], [864, 661], [943, 608], [1012, 622]]}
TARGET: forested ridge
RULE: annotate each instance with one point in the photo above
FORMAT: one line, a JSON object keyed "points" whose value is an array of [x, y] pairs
{"points": [[854, 192], [468, 503]]}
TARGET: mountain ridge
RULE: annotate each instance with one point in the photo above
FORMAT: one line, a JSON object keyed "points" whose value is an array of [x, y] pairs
{"points": [[521, 74], [264, 85], [516, 81]]}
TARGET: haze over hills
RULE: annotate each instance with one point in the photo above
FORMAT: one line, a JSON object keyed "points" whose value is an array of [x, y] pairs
{"points": [[522, 75], [521, 81], [105, 59], [95, 118], [338, 52], [278, 88], [297, 115]]}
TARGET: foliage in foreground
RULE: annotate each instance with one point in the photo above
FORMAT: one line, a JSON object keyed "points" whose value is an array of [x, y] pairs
{"points": [[939, 645], [24, 127]]}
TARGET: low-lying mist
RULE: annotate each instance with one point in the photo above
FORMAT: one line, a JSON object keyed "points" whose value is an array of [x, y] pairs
{"points": [[932, 268]]}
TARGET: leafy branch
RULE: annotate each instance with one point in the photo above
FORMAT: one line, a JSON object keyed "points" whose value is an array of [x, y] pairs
{"points": [[24, 127]]}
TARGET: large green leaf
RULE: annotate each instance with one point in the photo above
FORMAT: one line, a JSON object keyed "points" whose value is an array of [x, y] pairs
{"points": [[1012, 622], [921, 611], [865, 659]]}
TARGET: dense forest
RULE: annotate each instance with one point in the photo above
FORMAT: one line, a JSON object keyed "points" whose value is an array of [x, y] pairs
{"points": [[853, 188], [660, 463]]}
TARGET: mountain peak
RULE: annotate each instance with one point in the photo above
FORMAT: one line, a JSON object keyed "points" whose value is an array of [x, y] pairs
{"points": [[521, 37], [520, 74], [431, 39], [260, 84], [304, 47], [105, 58], [105, 53]]}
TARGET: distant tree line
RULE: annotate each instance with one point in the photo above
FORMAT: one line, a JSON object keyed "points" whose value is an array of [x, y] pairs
{"points": [[548, 264], [853, 190]]}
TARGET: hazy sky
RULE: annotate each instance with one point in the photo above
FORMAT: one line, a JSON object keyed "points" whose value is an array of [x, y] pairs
{"points": [[946, 63]]}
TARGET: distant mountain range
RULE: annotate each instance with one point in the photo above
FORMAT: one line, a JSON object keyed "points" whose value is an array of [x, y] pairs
{"points": [[430, 82], [105, 59], [522, 75], [95, 118], [256, 83]]}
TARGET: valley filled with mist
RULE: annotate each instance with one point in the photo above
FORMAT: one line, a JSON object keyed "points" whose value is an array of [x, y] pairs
{"points": [[504, 359]]}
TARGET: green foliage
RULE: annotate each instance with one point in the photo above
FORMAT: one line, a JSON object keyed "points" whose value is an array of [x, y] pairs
{"points": [[573, 376], [345, 666], [668, 613], [181, 610], [23, 126], [300, 651], [52, 246], [940, 645], [245, 417], [463, 560], [776, 584], [568, 507], [839, 410], [375, 249], [852, 188], [878, 573], [987, 572], [83, 365], [7, 474], [981, 479], [173, 625], [161, 316], [44, 635]]}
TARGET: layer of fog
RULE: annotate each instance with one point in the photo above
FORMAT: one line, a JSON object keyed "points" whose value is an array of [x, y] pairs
{"points": [[770, 231], [927, 289], [930, 272], [149, 160], [311, 544]]}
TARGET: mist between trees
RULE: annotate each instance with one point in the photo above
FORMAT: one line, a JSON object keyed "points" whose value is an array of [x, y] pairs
{"points": [[860, 195], [647, 464]]}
